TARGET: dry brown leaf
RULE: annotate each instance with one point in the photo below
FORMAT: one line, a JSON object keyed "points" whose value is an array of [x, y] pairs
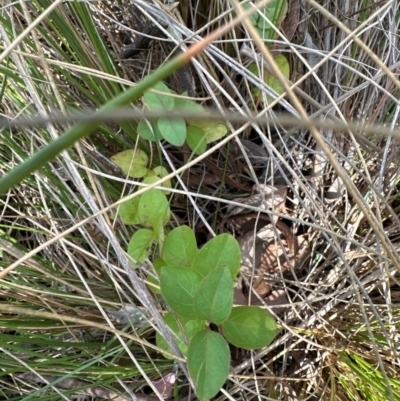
{"points": [[265, 197], [263, 257]]}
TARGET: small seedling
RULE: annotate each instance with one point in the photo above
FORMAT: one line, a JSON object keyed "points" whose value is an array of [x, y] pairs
{"points": [[197, 285], [275, 12], [175, 129], [134, 163]]}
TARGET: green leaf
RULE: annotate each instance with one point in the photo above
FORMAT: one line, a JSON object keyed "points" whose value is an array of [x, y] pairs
{"points": [[154, 209], [178, 286], [151, 179], [159, 233], [215, 132], [188, 105], [262, 26], [190, 328], [196, 139], [139, 244], [173, 130], [269, 79], [153, 284], [214, 297], [148, 131], [160, 99], [284, 67], [208, 360], [262, 33], [275, 11], [133, 163], [128, 211], [170, 319], [212, 130], [221, 251], [249, 327], [180, 247], [254, 69], [158, 172], [157, 264], [253, 17]]}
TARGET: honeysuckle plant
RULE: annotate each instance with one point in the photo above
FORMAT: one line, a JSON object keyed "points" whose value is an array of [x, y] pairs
{"points": [[197, 285]]}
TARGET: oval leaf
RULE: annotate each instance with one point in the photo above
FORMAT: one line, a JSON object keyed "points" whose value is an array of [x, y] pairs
{"points": [[154, 283], [128, 211], [133, 163], [275, 12], [159, 98], [178, 286], [254, 69], [269, 79], [153, 209], [249, 327], [179, 337], [173, 130], [180, 247], [151, 179], [213, 300], [139, 244], [190, 327], [273, 82], [254, 17], [221, 251], [216, 132], [159, 172], [196, 139], [158, 264], [187, 105], [208, 361], [212, 130], [148, 131]]}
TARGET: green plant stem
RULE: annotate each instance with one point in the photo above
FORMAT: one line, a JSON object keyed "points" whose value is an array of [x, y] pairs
{"points": [[83, 129]]}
